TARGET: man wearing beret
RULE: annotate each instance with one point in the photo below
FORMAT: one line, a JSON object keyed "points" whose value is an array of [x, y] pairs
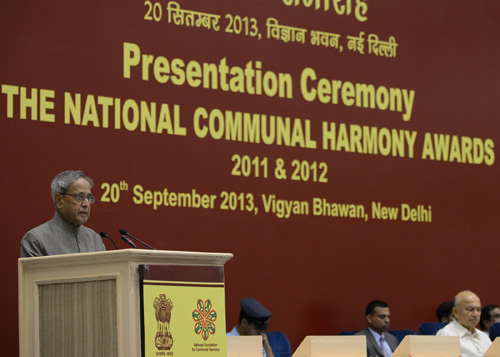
{"points": [[254, 318]]}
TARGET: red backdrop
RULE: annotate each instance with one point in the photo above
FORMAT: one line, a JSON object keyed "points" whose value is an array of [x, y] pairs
{"points": [[315, 272]]}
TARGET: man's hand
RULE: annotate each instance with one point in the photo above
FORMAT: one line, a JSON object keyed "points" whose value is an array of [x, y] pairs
{"points": [[267, 346]]}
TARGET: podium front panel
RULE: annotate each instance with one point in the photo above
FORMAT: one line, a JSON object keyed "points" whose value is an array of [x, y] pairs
{"points": [[78, 319], [182, 310], [88, 304]]}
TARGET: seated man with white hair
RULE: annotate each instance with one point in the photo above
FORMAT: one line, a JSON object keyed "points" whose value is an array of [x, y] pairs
{"points": [[467, 312]]}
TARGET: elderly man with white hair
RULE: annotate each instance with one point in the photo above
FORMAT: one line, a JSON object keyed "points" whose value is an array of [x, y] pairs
{"points": [[467, 312], [65, 233]]}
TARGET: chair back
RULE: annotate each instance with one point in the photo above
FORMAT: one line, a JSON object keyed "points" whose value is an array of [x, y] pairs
{"points": [[494, 331], [430, 328], [400, 334], [279, 344]]}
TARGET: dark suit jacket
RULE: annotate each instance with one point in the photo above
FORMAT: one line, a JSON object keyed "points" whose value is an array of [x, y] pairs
{"points": [[373, 347]]}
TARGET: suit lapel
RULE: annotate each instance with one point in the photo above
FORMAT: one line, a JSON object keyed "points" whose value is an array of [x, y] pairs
{"points": [[374, 342], [393, 343]]}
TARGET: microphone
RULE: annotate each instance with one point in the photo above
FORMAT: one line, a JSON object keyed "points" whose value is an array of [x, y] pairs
{"points": [[103, 234], [125, 233], [129, 242]]}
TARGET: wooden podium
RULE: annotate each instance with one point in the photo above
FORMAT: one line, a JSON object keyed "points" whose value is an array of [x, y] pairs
{"points": [[244, 346], [332, 346], [89, 304], [494, 350], [428, 346]]}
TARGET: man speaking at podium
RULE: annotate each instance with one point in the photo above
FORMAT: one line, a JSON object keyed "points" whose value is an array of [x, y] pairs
{"points": [[65, 233]]}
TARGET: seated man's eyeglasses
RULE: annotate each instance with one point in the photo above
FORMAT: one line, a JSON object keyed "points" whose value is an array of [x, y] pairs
{"points": [[80, 197]]}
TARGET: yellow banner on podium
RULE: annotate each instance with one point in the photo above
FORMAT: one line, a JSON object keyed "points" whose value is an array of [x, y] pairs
{"points": [[183, 318]]}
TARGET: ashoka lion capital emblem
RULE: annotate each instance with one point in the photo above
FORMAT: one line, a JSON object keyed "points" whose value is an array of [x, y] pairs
{"points": [[163, 309]]}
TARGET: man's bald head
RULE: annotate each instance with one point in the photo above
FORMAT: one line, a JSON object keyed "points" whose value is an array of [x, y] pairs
{"points": [[467, 309]]}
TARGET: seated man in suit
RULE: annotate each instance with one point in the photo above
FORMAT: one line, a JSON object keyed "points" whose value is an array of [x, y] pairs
{"points": [[467, 312], [379, 343]]}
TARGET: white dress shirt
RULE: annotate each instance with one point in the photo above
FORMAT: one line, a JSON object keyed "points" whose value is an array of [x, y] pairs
{"points": [[471, 344], [384, 345]]}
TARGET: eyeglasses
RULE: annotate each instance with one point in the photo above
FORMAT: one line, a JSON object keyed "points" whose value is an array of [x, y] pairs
{"points": [[80, 197]]}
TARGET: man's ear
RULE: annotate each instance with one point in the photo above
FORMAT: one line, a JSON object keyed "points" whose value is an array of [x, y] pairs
{"points": [[58, 200], [368, 319], [454, 312]]}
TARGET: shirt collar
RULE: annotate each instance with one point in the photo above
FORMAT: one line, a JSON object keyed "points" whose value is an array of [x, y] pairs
{"points": [[68, 227], [375, 334], [462, 331]]}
